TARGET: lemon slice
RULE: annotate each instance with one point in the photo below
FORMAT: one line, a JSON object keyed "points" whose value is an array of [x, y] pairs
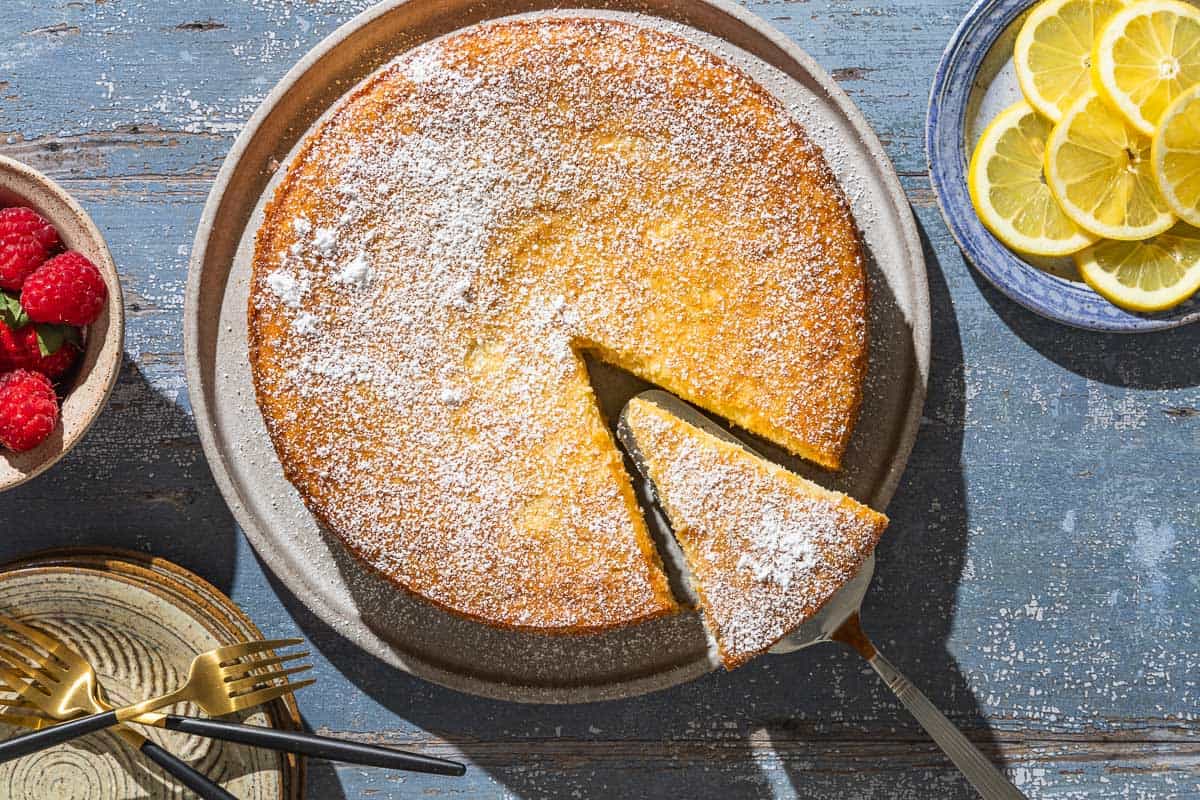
{"points": [[1152, 275], [1175, 156], [1146, 56], [1098, 168], [1053, 53], [1008, 189]]}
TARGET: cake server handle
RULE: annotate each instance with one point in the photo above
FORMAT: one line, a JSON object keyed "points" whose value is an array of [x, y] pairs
{"points": [[982, 774]]}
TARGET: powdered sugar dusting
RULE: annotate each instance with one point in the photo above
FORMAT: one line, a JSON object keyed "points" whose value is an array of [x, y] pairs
{"points": [[325, 239], [305, 324], [357, 273], [488, 208], [779, 548], [287, 288]]}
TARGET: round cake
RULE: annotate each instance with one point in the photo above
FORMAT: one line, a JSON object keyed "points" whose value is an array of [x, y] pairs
{"points": [[474, 217]]}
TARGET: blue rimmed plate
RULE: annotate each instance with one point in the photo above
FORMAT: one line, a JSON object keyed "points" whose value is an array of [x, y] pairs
{"points": [[975, 81]]}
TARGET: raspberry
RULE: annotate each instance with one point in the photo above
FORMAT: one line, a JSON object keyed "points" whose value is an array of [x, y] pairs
{"points": [[67, 289], [19, 257], [18, 348], [22, 221], [57, 363], [28, 409]]}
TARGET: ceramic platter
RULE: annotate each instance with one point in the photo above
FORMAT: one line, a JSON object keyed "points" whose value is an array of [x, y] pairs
{"points": [[974, 82], [388, 623], [139, 621]]}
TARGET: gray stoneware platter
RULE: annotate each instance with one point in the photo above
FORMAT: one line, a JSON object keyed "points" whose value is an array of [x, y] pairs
{"points": [[410, 633]]}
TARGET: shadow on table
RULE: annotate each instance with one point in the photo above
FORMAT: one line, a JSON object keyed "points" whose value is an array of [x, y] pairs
{"points": [[1161, 360], [816, 722], [137, 480]]}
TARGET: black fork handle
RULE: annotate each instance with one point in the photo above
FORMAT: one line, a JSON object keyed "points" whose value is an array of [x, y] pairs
{"points": [[55, 734], [179, 769], [46, 738], [310, 744]]}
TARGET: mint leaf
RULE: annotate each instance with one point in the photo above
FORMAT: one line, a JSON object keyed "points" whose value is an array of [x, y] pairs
{"points": [[11, 313], [51, 338]]}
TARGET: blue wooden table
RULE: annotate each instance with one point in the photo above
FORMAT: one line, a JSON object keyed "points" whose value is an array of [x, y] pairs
{"points": [[1040, 580]]}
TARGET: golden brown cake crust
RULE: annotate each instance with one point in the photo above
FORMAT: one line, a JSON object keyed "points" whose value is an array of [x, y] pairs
{"points": [[466, 222], [765, 548]]}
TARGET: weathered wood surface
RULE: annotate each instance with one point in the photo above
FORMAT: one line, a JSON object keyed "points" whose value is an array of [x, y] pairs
{"points": [[1040, 579]]}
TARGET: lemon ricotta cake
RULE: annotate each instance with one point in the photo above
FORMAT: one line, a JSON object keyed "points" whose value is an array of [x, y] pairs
{"points": [[477, 214], [765, 548]]}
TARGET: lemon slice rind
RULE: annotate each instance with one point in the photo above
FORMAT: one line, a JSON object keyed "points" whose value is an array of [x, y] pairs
{"points": [[1093, 142], [1176, 252], [1182, 114], [1049, 28], [1144, 115], [1023, 202]]}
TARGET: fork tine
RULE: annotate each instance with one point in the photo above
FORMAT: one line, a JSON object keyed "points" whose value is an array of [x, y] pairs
{"points": [[23, 649], [252, 699], [13, 679], [16, 703], [34, 635], [243, 667], [39, 672], [234, 686], [30, 673], [230, 652], [29, 654]]}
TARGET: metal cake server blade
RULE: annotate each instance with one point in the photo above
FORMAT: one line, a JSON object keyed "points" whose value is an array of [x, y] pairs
{"points": [[839, 621]]}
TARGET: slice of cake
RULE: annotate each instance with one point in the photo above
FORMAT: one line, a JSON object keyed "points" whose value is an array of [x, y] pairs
{"points": [[765, 548]]}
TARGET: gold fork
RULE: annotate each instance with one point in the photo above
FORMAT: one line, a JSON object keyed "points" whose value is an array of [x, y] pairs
{"points": [[64, 685], [22, 654]]}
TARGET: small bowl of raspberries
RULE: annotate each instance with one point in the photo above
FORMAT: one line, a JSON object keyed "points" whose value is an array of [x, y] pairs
{"points": [[61, 323]]}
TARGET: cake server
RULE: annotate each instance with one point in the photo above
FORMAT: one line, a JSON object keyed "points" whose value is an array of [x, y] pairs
{"points": [[839, 621]]}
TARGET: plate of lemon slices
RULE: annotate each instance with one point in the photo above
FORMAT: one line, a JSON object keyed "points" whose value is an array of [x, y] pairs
{"points": [[1063, 141]]}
